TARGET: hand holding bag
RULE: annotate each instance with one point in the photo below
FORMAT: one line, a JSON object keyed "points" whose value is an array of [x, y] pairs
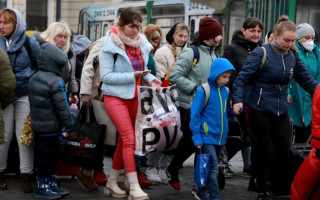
{"points": [[201, 170]]}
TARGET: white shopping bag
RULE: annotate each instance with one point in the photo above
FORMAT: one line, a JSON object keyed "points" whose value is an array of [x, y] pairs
{"points": [[157, 127]]}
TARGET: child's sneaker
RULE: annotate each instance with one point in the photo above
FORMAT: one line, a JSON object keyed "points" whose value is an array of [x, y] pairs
{"points": [[43, 190], [202, 195], [163, 175], [52, 181], [152, 175]]}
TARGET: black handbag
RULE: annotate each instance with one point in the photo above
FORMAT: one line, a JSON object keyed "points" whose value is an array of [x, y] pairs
{"points": [[84, 143]]}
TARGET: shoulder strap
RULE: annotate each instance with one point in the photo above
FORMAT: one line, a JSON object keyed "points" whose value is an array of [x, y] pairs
{"points": [[262, 62], [196, 58], [206, 89], [196, 55], [26, 45]]}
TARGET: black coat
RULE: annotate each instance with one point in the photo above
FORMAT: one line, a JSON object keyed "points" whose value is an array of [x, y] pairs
{"points": [[49, 106], [238, 51]]}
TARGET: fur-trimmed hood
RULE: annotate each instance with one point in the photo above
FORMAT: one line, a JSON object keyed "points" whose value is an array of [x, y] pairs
{"points": [[148, 31]]}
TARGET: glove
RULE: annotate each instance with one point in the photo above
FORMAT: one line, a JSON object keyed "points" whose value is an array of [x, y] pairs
{"points": [[318, 153], [63, 137]]}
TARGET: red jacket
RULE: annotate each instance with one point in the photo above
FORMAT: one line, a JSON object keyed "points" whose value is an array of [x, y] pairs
{"points": [[315, 140]]}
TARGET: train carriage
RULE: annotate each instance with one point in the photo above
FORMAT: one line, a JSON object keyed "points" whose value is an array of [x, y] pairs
{"points": [[95, 21]]}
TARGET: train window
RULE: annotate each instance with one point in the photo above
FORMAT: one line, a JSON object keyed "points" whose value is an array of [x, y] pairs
{"points": [[167, 22], [308, 12], [105, 28], [98, 32], [84, 22], [167, 10], [91, 32], [192, 26]]}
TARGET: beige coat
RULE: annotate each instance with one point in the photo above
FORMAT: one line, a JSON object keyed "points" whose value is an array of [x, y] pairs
{"points": [[164, 59], [86, 88]]}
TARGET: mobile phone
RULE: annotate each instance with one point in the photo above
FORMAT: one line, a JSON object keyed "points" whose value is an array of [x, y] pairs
{"points": [[146, 72]]}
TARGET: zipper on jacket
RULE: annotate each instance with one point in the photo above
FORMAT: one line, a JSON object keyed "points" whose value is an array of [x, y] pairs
{"points": [[284, 73], [260, 94], [221, 107], [304, 92]]}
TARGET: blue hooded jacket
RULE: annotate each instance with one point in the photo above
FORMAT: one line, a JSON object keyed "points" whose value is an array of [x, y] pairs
{"points": [[19, 60], [210, 125]]}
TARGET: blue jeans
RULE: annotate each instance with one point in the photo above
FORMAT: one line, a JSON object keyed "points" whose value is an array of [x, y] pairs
{"points": [[214, 151]]}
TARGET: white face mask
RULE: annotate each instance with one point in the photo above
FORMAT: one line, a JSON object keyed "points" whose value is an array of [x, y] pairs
{"points": [[308, 45]]}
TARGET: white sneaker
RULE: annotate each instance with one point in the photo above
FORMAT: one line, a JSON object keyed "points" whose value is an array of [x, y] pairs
{"points": [[163, 175], [152, 175]]}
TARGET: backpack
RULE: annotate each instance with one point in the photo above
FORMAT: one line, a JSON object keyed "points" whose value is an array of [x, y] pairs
{"points": [[206, 89], [27, 46]]}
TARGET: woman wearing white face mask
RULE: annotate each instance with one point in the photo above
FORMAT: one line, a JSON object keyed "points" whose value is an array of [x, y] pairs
{"points": [[299, 100]]}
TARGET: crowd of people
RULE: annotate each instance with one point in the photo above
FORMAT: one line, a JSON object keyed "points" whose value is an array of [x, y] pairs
{"points": [[265, 86]]}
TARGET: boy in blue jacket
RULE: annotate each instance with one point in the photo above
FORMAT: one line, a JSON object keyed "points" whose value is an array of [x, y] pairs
{"points": [[209, 123]]}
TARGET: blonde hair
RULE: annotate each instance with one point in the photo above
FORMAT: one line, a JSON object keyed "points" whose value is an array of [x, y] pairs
{"points": [[284, 24], [180, 27], [55, 29]]}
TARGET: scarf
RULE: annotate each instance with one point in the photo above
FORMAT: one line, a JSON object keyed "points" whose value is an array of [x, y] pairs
{"points": [[122, 40], [275, 46]]}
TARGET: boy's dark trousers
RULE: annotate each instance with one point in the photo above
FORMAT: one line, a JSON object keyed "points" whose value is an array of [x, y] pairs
{"points": [[186, 147], [47, 151]]}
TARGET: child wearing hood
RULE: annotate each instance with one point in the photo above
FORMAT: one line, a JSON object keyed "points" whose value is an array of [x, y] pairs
{"points": [[209, 124], [50, 113]]}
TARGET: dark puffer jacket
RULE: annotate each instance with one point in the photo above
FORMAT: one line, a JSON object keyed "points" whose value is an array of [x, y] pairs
{"points": [[239, 49], [49, 107], [268, 92]]}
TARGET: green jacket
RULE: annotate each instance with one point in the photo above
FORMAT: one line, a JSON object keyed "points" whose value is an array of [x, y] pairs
{"points": [[300, 108], [186, 78], [7, 87]]}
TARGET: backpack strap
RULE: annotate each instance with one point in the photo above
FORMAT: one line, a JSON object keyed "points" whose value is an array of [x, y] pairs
{"points": [[206, 89], [26, 45], [196, 55], [261, 63], [196, 58]]}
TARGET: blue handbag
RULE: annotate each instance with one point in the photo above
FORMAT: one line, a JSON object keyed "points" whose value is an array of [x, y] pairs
{"points": [[201, 170]]}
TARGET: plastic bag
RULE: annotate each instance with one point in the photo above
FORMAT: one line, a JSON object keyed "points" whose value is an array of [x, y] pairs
{"points": [[26, 135], [157, 127], [201, 170]]}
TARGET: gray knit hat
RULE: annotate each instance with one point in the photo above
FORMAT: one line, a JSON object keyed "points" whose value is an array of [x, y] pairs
{"points": [[303, 30], [80, 43]]}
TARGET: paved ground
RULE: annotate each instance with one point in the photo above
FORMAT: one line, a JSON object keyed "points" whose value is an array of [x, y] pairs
{"points": [[235, 189]]}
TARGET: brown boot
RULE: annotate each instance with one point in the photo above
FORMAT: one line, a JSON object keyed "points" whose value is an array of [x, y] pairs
{"points": [[27, 183], [3, 183], [121, 182], [85, 177]]}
